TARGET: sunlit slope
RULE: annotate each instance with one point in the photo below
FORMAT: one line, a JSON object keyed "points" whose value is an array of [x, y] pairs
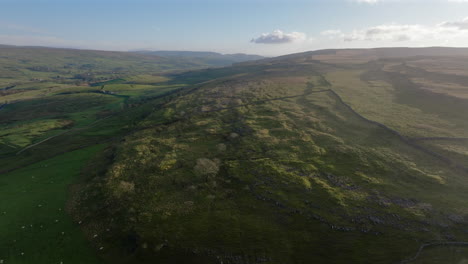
{"points": [[26, 63], [424, 96], [270, 165]]}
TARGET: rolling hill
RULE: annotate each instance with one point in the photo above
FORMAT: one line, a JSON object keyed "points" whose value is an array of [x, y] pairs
{"points": [[335, 156], [326, 157]]}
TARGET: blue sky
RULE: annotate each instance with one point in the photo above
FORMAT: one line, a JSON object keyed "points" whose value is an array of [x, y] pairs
{"points": [[266, 27]]}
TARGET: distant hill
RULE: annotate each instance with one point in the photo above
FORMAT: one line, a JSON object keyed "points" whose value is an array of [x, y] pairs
{"points": [[208, 58], [365, 55], [43, 63]]}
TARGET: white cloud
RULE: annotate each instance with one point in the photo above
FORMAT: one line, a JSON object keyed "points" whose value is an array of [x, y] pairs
{"points": [[388, 33], [461, 24], [279, 37]]}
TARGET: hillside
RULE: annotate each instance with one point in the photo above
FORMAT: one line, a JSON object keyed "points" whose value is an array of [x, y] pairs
{"points": [[72, 66], [58, 109], [335, 156], [324, 157], [356, 56]]}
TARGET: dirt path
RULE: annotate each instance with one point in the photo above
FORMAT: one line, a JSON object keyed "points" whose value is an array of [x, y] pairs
{"points": [[423, 246], [439, 139]]}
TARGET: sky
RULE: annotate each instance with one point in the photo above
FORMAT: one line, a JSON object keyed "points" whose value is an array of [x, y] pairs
{"points": [[264, 27]]}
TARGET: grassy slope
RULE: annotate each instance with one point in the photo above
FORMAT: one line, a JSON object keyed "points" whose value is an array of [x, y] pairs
{"points": [[257, 167], [39, 190], [68, 123], [34, 225], [421, 97], [26, 62], [299, 177], [41, 106], [377, 100]]}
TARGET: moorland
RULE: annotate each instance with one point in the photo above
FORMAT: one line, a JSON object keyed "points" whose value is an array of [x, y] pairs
{"points": [[333, 156]]}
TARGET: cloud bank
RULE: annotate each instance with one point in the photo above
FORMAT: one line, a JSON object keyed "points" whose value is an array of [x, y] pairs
{"points": [[395, 32], [279, 37]]}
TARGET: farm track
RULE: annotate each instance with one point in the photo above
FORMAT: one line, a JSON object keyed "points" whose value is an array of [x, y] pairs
{"points": [[439, 139], [435, 244]]}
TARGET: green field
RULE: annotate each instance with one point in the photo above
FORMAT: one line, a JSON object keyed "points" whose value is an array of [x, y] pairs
{"points": [[34, 224], [50, 129]]}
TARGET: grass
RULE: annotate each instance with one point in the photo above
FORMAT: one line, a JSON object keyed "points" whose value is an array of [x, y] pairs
{"points": [[46, 99], [259, 161], [146, 79], [22, 135], [295, 168], [455, 150], [34, 224], [377, 100]]}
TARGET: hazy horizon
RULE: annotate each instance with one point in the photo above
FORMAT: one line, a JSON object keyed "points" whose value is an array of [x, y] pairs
{"points": [[211, 51]]}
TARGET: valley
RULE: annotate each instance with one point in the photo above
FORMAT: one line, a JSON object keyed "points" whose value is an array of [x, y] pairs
{"points": [[335, 156]]}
